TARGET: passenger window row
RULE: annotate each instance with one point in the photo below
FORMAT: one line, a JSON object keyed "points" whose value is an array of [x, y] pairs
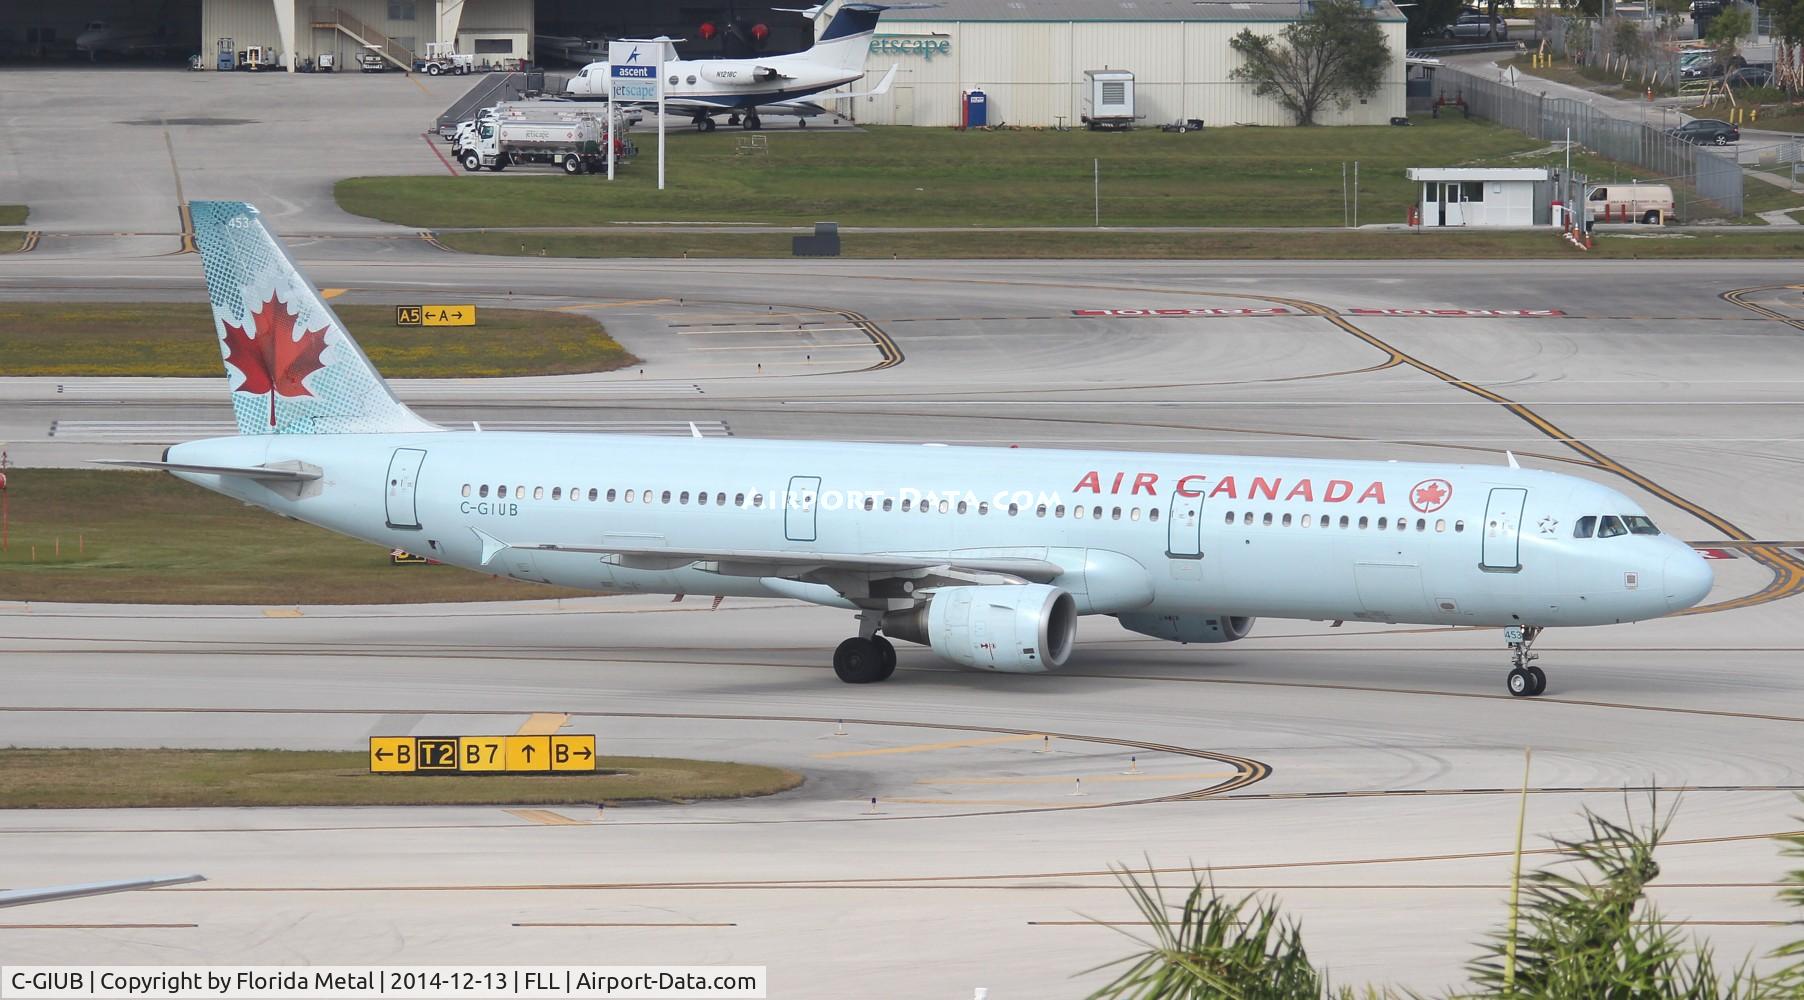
{"points": [[887, 504], [1364, 523]]}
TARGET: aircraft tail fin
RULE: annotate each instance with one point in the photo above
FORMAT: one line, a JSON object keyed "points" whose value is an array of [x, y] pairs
{"points": [[846, 40], [291, 365]]}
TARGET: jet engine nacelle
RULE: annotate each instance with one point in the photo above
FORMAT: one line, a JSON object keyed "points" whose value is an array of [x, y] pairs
{"points": [[1189, 628], [1017, 629], [735, 73]]}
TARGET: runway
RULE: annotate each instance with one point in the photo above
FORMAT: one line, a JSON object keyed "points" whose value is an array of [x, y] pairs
{"points": [[1367, 773]]}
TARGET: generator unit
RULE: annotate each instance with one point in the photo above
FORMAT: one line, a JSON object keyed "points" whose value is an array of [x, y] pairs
{"points": [[1108, 99]]}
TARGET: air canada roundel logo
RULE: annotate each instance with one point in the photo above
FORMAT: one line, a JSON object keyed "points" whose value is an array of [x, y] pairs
{"points": [[1430, 495]]}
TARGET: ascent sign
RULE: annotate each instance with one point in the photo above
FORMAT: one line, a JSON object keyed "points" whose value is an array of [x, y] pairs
{"points": [[480, 754]]}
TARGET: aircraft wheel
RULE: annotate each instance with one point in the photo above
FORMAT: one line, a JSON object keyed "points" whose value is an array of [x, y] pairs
{"points": [[858, 661], [1540, 677], [801, 123], [754, 123], [887, 651], [708, 125], [1521, 683]]}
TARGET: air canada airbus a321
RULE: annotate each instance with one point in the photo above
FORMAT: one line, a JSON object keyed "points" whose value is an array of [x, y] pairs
{"points": [[987, 556]]}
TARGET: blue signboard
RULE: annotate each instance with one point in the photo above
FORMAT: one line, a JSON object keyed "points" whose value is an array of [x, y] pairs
{"points": [[633, 70]]}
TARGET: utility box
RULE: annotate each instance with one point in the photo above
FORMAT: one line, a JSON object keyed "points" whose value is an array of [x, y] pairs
{"points": [[824, 242], [1108, 99], [977, 109]]}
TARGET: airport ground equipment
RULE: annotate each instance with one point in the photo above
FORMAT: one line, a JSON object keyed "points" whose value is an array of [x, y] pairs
{"points": [[573, 142], [227, 54], [442, 58], [1108, 99]]}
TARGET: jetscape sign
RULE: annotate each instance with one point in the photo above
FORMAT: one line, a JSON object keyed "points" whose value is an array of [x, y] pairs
{"points": [[1179, 313]]}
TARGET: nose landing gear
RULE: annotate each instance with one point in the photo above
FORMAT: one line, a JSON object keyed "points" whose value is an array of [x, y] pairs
{"points": [[1526, 680]]}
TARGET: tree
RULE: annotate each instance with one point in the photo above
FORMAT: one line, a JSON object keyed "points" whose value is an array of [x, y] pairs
{"points": [[1726, 31], [1333, 55]]}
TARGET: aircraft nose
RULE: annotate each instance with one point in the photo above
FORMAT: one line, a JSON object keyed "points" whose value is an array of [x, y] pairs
{"points": [[1688, 579]]}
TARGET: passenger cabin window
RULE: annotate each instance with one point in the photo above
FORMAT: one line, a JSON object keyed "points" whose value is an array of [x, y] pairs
{"points": [[1152, 515], [1585, 526], [557, 493], [466, 489], [483, 490], [538, 492], [501, 492], [1610, 527]]}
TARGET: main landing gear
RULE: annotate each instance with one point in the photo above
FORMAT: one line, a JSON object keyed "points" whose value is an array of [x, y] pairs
{"points": [[866, 658], [1526, 680]]}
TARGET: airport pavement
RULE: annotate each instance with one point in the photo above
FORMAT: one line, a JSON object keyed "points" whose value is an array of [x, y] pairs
{"points": [[1383, 811], [1384, 759], [1365, 773]]}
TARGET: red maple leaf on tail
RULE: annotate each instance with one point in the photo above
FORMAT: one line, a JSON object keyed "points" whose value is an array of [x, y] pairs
{"points": [[272, 361]]}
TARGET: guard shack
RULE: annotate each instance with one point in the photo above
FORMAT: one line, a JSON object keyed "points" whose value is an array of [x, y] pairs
{"points": [[1481, 196]]}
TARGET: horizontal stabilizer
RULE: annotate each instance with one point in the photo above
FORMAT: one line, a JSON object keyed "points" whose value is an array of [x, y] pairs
{"points": [[20, 897], [286, 472]]}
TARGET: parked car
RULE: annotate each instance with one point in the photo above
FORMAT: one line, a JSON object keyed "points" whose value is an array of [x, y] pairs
{"points": [[1702, 131], [1750, 76], [1707, 68], [1473, 27]]}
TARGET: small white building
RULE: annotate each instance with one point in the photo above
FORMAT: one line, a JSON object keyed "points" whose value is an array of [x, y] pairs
{"points": [[1479, 196]]}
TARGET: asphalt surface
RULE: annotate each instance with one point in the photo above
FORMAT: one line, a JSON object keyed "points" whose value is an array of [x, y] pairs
{"points": [[1367, 775]]}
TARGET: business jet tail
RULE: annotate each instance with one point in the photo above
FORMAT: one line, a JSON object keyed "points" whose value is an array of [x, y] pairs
{"points": [[846, 41], [291, 365]]}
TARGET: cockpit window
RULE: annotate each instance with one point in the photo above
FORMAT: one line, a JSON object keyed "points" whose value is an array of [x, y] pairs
{"points": [[1640, 524], [1610, 527], [1585, 526]]}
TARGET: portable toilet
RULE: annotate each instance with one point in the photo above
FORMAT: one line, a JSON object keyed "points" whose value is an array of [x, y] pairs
{"points": [[1108, 99], [977, 109]]}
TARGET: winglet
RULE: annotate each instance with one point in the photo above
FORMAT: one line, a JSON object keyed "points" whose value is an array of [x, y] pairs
{"points": [[883, 84], [491, 546], [1512, 457]]}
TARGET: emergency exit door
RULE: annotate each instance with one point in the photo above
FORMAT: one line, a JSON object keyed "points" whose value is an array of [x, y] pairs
{"points": [[403, 475], [1503, 531], [1184, 526], [799, 508]]}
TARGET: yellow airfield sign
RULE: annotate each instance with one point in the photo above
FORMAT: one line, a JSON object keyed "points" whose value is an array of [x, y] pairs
{"points": [[481, 754], [439, 315]]}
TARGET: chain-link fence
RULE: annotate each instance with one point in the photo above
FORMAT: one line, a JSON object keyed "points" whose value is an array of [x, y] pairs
{"points": [[1697, 173]]}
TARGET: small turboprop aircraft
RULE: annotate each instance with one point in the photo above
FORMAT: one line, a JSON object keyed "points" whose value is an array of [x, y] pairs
{"points": [[705, 88], [986, 555]]}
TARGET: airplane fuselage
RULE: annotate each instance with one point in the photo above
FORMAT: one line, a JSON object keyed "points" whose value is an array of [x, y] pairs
{"points": [[726, 84], [1140, 533]]}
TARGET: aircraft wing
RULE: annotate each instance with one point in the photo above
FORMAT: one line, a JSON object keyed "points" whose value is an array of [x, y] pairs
{"points": [[882, 85], [281, 472], [788, 564], [21, 897]]}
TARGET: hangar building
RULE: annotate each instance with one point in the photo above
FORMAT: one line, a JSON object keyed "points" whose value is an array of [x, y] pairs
{"points": [[1029, 58]]}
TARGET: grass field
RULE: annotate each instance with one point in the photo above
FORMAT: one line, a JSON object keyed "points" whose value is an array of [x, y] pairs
{"points": [[167, 339], [95, 779], [147, 537], [1354, 245], [13, 215], [1593, 78], [900, 176]]}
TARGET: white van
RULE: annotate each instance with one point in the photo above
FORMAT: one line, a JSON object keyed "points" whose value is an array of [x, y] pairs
{"points": [[1645, 203]]}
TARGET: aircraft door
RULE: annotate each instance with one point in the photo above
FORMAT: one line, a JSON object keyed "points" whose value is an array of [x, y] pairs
{"points": [[799, 504], [403, 476], [1184, 526], [1503, 531]]}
